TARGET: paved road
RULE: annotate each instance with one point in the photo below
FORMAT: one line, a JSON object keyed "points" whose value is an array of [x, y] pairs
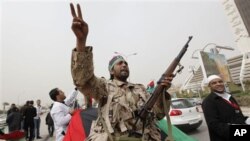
{"points": [[200, 134], [44, 131]]}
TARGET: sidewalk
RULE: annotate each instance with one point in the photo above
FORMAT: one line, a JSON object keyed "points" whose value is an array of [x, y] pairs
{"points": [[44, 131], [246, 111]]}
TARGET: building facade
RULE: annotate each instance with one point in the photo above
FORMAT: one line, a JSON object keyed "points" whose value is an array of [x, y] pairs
{"points": [[238, 14]]}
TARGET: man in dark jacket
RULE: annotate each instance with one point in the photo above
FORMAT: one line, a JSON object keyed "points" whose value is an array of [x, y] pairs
{"points": [[220, 110], [13, 105], [14, 119], [29, 114]]}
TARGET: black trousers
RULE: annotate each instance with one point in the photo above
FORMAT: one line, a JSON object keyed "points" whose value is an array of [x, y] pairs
{"points": [[51, 130], [29, 130]]}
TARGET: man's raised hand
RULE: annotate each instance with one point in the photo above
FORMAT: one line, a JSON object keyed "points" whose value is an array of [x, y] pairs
{"points": [[79, 27]]}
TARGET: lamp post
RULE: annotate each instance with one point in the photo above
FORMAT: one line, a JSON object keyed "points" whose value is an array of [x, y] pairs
{"points": [[194, 57], [126, 56]]}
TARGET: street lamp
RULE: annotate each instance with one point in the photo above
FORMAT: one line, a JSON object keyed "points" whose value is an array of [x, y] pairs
{"points": [[214, 50], [126, 56], [195, 57]]}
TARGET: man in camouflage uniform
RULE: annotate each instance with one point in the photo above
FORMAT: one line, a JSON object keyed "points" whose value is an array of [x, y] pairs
{"points": [[122, 99]]}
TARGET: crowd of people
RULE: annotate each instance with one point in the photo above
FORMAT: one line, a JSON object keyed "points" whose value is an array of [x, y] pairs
{"points": [[26, 118]]}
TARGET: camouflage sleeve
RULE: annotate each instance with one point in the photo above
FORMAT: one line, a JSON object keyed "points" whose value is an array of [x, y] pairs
{"points": [[82, 71]]}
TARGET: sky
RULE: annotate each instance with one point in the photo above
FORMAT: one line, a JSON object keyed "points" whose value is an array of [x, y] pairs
{"points": [[37, 40]]}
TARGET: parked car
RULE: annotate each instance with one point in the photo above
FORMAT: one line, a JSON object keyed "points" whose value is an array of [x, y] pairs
{"points": [[194, 101], [184, 115]]}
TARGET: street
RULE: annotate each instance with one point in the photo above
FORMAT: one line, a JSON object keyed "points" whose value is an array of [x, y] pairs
{"points": [[200, 134]]}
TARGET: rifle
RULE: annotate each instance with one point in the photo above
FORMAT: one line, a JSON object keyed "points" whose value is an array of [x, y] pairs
{"points": [[144, 112]]}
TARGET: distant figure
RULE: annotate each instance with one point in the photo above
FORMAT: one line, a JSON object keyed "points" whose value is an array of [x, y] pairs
{"points": [[220, 110], [14, 119], [29, 114], [22, 109], [50, 123], [13, 105], [61, 112], [37, 119], [151, 87]]}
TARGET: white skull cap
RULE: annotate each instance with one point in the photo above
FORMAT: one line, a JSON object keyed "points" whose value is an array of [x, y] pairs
{"points": [[212, 77]]}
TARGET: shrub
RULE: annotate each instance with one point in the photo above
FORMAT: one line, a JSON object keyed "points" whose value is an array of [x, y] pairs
{"points": [[243, 100]]}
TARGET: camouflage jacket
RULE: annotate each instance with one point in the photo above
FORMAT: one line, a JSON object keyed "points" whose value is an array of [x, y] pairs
{"points": [[123, 98]]}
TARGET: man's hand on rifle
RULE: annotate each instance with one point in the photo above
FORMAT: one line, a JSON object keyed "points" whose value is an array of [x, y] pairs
{"points": [[166, 82], [79, 27]]}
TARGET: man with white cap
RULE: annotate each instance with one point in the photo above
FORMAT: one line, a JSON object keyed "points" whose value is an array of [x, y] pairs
{"points": [[220, 110]]}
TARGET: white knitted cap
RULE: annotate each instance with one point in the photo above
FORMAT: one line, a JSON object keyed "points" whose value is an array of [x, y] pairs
{"points": [[212, 77]]}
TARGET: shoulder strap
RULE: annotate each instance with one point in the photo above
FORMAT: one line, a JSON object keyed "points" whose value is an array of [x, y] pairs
{"points": [[166, 108]]}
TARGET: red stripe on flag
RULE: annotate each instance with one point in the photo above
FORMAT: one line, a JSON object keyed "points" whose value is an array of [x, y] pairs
{"points": [[75, 131]]}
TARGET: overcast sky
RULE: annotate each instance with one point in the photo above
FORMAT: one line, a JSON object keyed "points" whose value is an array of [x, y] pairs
{"points": [[36, 40]]}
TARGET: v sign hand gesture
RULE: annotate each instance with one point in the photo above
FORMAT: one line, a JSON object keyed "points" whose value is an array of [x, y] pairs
{"points": [[79, 27]]}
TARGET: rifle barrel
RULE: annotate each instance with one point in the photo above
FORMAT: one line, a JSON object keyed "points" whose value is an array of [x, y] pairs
{"points": [[159, 88]]}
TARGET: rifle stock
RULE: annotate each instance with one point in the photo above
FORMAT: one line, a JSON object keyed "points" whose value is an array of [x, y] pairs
{"points": [[159, 88]]}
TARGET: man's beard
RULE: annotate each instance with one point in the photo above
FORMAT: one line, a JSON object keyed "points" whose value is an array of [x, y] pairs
{"points": [[123, 76]]}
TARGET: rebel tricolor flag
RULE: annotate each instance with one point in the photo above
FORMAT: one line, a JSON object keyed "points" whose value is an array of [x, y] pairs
{"points": [[80, 124], [15, 135]]}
